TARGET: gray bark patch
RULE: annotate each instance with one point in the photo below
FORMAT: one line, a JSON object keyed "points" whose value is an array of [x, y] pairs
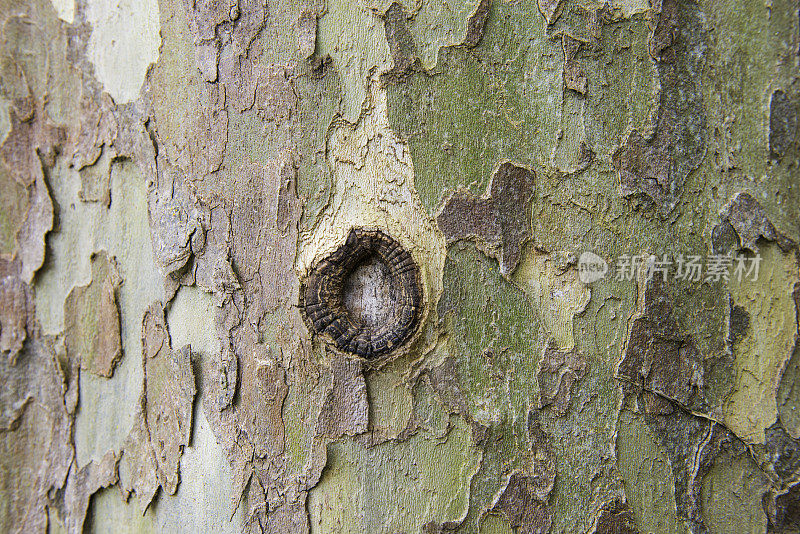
{"points": [[782, 124]]}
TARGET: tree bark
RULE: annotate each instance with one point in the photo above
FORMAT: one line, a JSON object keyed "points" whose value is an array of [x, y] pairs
{"points": [[375, 266]]}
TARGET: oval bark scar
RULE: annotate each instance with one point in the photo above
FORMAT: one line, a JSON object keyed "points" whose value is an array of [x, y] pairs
{"points": [[323, 301]]}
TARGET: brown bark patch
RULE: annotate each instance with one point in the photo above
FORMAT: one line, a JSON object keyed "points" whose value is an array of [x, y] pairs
{"points": [[16, 316], [657, 166], [345, 410], [782, 124], [35, 435], [92, 323], [658, 356], [500, 218], [574, 76], [614, 518], [556, 374], [476, 24], [743, 222], [83, 483]]}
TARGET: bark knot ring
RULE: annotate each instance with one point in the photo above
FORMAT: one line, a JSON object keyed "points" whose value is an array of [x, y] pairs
{"points": [[323, 303]]}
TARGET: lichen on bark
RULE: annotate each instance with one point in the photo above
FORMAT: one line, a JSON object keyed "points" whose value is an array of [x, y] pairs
{"points": [[175, 187]]}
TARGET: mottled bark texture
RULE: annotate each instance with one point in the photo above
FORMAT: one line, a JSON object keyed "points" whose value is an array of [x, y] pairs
{"points": [[315, 266]]}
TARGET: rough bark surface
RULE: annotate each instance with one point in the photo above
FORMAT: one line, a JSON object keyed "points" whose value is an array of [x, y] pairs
{"points": [[320, 266]]}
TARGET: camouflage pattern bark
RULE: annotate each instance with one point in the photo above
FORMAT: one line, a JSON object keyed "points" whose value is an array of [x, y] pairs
{"points": [[174, 172]]}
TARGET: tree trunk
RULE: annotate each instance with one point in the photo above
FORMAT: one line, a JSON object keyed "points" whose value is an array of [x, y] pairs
{"points": [[430, 266]]}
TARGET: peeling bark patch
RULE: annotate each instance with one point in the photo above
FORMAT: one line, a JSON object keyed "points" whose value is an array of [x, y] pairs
{"points": [[345, 410], [399, 38], [614, 518], [574, 76], [177, 220], [789, 387], [782, 453], [163, 425], [169, 391], [30, 146], [38, 222], [31, 141], [323, 299], [138, 463], [691, 444], [446, 383], [16, 316], [658, 356], [750, 222], [657, 167], [557, 372], [524, 500], [724, 238], [264, 233], [13, 206], [84, 482], [35, 436], [784, 511], [500, 217], [92, 148], [519, 502], [476, 24], [92, 329], [782, 124], [307, 34], [260, 412]]}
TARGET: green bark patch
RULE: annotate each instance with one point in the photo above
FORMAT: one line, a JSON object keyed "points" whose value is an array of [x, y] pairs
{"points": [[374, 491]]}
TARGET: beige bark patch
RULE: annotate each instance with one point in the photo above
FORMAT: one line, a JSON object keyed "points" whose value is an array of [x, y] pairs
{"points": [[121, 56], [92, 322], [65, 9], [5, 119], [555, 289]]}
